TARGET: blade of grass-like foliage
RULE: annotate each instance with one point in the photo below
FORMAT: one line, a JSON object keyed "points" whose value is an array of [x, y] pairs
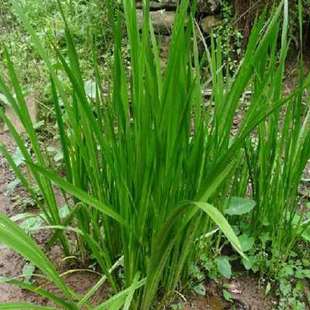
{"points": [[123, 298], [164, 242], [17, 170], [277, 157], [18, 9], [19, 106], [301, 21], [51, 210], [77, 192], [62, 133], [131, 292], [15, 238], [222, 223], [42, 292], [93, 290]]}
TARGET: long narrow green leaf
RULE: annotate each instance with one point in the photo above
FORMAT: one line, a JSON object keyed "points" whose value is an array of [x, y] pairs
{"points": [[41, 292], [218, 218], [78, 193], [15, 238]]}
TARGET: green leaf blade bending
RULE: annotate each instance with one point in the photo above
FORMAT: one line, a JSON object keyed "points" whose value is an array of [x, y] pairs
{"points": [[15, 238]]}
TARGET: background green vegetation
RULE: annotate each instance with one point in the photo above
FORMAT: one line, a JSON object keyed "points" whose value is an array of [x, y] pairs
{"points": [[88, 24]]}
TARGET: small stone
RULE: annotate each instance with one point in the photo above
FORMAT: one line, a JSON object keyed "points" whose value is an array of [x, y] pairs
{"points": [[209, 22]]}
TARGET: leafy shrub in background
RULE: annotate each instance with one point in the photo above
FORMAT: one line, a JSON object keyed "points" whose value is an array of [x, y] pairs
{"points": [[148, 166], [300, 23], [242, 14], [88, 20], [277, 156], [277, 160], [231, 36]]}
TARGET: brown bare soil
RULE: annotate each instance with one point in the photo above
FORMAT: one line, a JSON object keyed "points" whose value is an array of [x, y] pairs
{"points": [[11, 264], [245, 291]]}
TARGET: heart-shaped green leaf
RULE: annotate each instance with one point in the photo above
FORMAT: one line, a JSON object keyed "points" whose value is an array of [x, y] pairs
{"points": [[246, 242], [239, 206], [223, 266]]}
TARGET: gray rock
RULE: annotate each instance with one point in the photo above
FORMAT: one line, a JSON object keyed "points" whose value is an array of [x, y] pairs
{"points": [[162, 5], [162, 21], [207, 7], [163, 14]]}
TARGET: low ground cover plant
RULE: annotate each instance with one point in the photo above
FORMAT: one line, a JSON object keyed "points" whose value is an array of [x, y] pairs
{"points": [[87, 24], [149, 168]]}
